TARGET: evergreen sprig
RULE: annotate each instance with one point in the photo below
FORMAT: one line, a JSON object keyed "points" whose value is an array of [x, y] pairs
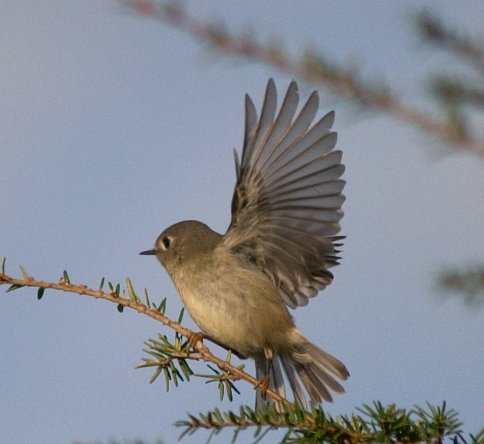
{"points": [[171, 358], [374, 423]]}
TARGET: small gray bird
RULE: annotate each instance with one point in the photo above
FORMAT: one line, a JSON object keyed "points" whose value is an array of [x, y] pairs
{"points": [[276, 253]]}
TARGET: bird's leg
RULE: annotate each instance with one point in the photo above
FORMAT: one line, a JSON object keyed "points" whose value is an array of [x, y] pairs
{"points": [[200, 336], [263, 384], [195, 338]]}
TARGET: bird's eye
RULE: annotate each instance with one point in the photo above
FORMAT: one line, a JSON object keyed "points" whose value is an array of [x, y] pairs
{"points": [[166, 241]]}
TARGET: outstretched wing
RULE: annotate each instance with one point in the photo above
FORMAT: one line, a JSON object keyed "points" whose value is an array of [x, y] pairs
{"points": [[288, 196]]}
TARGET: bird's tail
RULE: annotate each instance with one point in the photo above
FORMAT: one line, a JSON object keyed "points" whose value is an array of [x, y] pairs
{"points": [[308, 369]]}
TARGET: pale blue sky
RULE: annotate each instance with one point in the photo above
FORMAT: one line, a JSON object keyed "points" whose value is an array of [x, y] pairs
{"points": [[113, 127]]}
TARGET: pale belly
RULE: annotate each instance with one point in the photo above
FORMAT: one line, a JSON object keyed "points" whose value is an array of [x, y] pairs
{"points": [[244, 314]]}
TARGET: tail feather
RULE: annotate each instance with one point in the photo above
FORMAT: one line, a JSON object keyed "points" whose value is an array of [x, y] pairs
{"points": [[308, 369], [294, 381], [316, 389], [317, 370], [322, 374], [323, 359]]}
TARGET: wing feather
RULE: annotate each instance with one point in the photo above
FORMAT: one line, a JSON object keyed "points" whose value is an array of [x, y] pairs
{"points": [[288, 196]]}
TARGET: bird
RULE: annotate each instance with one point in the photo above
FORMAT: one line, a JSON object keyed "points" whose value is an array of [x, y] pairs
{"points": [[276, 254]]}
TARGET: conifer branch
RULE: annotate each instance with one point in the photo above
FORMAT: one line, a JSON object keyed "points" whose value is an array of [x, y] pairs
{"points": [[192, 349], [374, 423]]}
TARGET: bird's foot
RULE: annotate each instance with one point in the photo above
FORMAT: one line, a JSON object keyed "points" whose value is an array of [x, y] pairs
{"points": [[194, 340], [263, 385]]}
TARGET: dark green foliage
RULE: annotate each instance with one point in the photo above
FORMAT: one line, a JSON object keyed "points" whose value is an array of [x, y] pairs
{"points": [[169, 358], [371, 424], [40, 293]]}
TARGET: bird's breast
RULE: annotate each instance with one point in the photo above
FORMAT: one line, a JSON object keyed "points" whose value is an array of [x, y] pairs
{"points": [[236, 306]]}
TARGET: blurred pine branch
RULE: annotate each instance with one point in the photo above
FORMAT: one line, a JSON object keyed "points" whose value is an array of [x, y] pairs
{"points": [[466, 282], [433, 29], [453, 93]]}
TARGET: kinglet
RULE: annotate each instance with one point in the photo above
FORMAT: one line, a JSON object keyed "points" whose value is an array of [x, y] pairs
{"points": [[276, 253]]}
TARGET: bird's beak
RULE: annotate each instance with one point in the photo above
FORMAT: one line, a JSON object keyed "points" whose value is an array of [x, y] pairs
{"points": [[148, 252]]}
